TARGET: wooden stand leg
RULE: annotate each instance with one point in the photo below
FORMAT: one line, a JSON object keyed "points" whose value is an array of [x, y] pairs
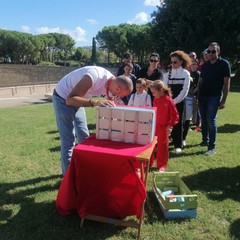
{"points": [[81, 223]]}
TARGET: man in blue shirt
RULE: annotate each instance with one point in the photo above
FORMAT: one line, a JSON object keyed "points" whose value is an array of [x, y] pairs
{"points": [[214, 85]]}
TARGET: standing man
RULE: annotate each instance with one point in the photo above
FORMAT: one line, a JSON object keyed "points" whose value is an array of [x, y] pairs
{"points": [[74, 92], [214, 85]]}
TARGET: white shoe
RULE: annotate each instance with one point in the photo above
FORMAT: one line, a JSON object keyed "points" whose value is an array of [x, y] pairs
{"points": [[210, 152], [184, 143], [162, 170], [178, 150]]}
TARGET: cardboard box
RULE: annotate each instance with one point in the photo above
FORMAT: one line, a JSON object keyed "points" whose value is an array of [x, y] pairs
{"points": [[126, 124]]}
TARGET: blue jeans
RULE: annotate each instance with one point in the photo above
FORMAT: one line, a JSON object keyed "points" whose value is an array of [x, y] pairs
{"points": [[71, 122], [208, 107]]}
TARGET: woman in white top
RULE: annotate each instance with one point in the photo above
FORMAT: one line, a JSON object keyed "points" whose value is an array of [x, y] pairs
{"points": [[178, 79], [141, 97]]}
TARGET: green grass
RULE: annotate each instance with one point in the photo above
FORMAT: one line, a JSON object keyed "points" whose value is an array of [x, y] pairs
{"points": [[30, 178]]}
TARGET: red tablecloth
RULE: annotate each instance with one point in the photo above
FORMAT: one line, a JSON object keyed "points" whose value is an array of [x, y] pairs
{"points": [[101, 180]]}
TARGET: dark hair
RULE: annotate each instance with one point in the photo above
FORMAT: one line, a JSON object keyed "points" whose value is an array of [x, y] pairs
{"points": [[215, 45], [127, 55], [195, 60], [142, 81], [154, 55], [158, 85]]}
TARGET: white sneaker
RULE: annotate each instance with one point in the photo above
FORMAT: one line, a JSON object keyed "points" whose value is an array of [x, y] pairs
{"points": [[162, 170], [210, 152], [178, 150], [184, 143]]}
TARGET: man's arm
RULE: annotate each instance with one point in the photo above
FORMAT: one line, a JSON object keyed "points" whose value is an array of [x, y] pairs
{"points": [[226, 88], [76, 99]]}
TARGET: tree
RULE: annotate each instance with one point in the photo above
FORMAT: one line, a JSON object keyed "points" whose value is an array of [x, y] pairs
{"points": [[126, 38], [94, 52], [192, 25]]}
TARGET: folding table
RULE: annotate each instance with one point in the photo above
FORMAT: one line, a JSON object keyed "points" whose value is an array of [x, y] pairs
{"points": [[102, 182]]}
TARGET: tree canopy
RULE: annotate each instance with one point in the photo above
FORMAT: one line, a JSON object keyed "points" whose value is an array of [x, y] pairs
{"points": [[26, 48], [188, 25], [191, 25]]}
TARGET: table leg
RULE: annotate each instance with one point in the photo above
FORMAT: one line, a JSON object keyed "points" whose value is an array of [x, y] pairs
{"points": [[81, 223]]}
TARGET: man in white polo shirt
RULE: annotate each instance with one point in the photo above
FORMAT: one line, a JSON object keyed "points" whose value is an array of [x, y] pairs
{"points": [[73, 92]]}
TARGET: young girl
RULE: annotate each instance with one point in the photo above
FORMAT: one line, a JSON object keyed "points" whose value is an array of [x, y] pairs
{"points": [[167, 117], [141, 97]]}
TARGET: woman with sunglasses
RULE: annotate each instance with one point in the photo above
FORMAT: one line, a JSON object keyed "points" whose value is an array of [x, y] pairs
{"points": [[178, 79], [152, 71]]}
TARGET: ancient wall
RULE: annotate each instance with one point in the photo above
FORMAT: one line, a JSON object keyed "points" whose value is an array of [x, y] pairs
{"points": [[18, 75], [22, 80]]}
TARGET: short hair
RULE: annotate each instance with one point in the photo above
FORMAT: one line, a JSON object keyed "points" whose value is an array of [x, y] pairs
{"points": [[215, 45], [142, 81], [127, 55], [125, 81]]}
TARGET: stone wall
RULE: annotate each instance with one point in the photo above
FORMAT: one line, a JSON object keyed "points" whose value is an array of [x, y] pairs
{"points": [[22, 80], [19, 75]]}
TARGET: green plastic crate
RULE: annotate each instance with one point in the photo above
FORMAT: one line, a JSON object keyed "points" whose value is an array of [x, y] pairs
{"points": [[172, 181]]}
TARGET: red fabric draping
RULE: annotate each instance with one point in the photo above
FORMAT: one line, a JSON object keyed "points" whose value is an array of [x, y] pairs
{"points": [[101, 180]]}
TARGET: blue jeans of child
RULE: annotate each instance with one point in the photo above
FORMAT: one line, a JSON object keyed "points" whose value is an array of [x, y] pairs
{"points": [[71, 122], [208, 107]]}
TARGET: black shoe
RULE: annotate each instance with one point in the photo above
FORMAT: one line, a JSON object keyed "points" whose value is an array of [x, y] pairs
{"points": [[203, 144]]}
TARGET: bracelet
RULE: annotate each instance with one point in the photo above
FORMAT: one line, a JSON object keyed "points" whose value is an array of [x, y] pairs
{"points": [[96, 103], [90, 101]]}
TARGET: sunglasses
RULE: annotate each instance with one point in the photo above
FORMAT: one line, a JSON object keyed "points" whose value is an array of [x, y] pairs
{"points": [[174, 62], [155, 61], [212, 52]]}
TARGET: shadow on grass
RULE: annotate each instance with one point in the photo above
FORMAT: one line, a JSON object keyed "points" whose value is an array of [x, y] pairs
{"points": [[52, 132], [55, 149], [229, 128], [37, 102], [27, 212], [218, 184], [234, 229], [91, 127], [182, 154]]}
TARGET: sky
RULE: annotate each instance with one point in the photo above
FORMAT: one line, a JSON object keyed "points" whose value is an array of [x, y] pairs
{"points": [[81, 19]]}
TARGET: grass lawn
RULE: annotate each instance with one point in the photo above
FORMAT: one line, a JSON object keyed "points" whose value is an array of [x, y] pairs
{"points": [[30, 178]]}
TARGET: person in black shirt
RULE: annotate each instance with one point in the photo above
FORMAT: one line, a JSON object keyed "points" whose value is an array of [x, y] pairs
{"points": [[214, 85], [152, 71], [128, 58]]}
